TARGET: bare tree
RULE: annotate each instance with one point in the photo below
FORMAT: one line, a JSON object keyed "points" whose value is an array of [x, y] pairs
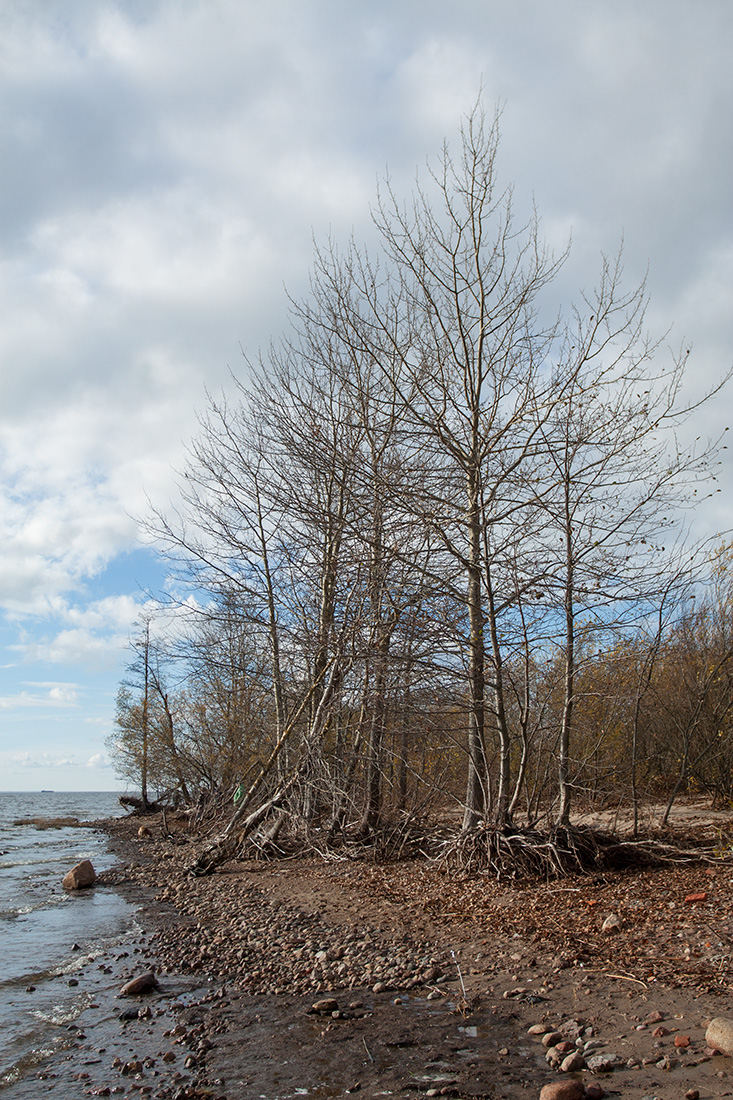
{"points": [[433, 480], [454, 327], [615, 478]]}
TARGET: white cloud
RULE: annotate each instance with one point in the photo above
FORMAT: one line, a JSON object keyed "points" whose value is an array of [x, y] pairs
{"points": [[98, 760], [71, 647], [95, 636], [45, 695], [165, 166], [43, 760]]}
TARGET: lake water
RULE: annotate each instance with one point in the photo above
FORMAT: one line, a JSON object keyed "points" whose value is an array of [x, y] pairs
{"points": [[47, 934]]}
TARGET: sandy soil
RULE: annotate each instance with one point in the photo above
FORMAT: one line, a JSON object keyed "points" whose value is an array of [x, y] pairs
{"points": [[430, 982]]}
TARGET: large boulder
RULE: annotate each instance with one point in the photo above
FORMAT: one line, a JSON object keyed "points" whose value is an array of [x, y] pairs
{"points": [[79, 877]]}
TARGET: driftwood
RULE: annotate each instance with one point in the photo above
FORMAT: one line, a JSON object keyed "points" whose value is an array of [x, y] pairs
{"points": [[131, 802], [229, 843]]}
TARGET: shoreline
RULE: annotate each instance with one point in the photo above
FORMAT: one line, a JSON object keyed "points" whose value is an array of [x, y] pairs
{"points": [[433, 982]]}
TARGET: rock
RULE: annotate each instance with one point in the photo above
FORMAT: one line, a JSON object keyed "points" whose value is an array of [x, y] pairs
{"points": [[572, 1062], [692, 1094], [602, 1063], [681, 1041], [325, 1007], [144, 983], [563, 1090], [719, 1035], [667, 1063], [80, 877], [611, 924], [551, 1038], [594, 1092], [538, 1029], [654, 1018]]}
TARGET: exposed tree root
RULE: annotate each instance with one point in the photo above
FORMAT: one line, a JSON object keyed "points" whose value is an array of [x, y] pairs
{"points": [[513, 853], [276, 830]]}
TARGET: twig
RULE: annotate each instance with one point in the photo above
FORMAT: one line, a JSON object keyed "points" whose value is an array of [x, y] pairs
{"points": [[366, 1048], [621, 977], [460, 976]]}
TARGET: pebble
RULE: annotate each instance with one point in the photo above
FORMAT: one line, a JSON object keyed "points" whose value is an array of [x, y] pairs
{"points": [[275, 948], [272, 946], [602, 1063], [572, 1062], [667, 1063]]}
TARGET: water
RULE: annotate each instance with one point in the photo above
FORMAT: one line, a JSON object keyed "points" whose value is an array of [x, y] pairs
{"points": [[46, 934]]}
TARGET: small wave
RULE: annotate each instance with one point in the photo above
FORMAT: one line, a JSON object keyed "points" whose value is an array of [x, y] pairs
{"points": [[24, 980], [33, 861], [20, 911], [61, 1015], [11, 1074], [79, 960], [24, 910]]}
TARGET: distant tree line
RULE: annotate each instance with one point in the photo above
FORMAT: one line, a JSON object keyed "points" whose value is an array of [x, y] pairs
{"points": [[432, 551]]}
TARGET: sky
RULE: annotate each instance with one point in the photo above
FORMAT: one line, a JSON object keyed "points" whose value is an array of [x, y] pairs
{"points": [[165, 168]]}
